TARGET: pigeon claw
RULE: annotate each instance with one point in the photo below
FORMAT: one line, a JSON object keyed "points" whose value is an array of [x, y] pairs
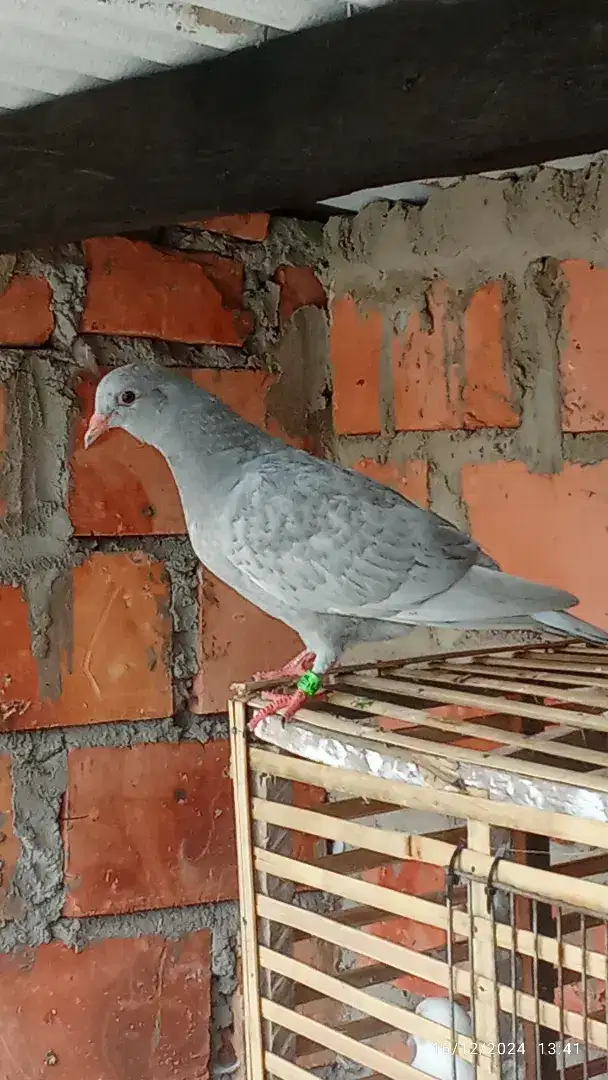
{"points": [[288, 704], [298, 666]]}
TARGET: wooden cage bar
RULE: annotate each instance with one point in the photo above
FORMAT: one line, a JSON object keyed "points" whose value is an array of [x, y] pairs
{"points": [[510, 745]]}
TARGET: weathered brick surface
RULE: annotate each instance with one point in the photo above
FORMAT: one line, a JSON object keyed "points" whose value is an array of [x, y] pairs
{"points": [[433, 389], [551, 529], [304, 846], [3, 417], [299, 287], [235, 640], [3, 410], [122, 487], [409, 478], [594, 999], [9, 845], [487, 395], [26, 315], [356, 347], [150, 826], [114, 667], [240, 226], [425, 390], [119, 1009], [584, 373], [136, 290]]}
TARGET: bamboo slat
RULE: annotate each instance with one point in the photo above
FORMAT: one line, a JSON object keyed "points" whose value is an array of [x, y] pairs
{"points": [[458, 728], [450, 803], [394, 1015], [337, 1041], [410, 688], [251, 983], [451, 730], [410, 748]]}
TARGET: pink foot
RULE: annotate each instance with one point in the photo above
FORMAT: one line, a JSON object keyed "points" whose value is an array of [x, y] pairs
{"points": [[298, 666], [287, 703]]}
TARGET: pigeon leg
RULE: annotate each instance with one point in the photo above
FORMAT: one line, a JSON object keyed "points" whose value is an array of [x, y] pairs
{"points": [[308, 686], [287, 703], [298, 666]]}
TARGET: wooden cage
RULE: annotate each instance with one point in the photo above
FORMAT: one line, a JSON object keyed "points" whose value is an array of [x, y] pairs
{"points": [[511, 746]]}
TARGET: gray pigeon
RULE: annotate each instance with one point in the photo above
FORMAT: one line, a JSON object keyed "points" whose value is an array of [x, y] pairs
{"points": [[336, 556]]}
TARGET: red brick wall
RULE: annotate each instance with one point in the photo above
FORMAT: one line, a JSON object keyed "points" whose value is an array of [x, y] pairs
{"points": [[116, 818], [465, 353], [468, 358], [469, 369]]}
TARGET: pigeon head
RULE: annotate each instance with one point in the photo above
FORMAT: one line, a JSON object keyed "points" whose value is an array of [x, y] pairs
{"points": [[135, 398]]}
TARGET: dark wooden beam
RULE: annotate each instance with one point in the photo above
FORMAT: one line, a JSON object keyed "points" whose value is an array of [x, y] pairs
{"points": [[417, 89]]}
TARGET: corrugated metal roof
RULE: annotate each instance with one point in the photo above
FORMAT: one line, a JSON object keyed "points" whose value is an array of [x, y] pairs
{"points": [[52, 47]]}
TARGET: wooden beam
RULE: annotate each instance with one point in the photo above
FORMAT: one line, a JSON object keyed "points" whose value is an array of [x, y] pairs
{"points": [[416, 89]]}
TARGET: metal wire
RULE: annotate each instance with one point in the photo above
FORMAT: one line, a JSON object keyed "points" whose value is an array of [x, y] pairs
{"points": [[584, 997], [606, 985], [491, 907], [560, 991], [451, 879], [513, 970], [536, 991], [472, 971], [545, 1055]]}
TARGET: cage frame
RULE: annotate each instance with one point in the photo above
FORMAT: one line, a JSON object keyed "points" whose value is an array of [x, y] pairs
{"points": [[574, 678]]}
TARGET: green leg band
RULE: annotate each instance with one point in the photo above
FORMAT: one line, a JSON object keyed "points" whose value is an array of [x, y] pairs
{"points": [[309, 683]]}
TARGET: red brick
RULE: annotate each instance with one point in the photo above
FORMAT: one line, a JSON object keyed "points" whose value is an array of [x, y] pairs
{"points": [[583, 360], [116, 667], [9, 845], [304, 846], [150, 826], [573, 998], [487, 395], [300, 287], [122, 487], [236, 639], [26, 315], [241, 226], [227, 275], [415, 879], [356, 348], [551, 529], [136, 290], [3, 413], [322, 956], [428, 395], [117, 1010], [425, 391], [409, 478]]}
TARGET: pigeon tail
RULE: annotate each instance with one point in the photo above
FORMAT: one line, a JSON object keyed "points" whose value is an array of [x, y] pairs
{"points": [[568, 625], [484, 594]]}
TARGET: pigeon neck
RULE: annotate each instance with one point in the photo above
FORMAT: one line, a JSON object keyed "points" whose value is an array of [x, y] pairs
{"points": [[202, 428], [204, 447]]}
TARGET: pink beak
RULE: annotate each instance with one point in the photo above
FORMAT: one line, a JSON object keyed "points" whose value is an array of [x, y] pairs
{"points": [[98, 425]]}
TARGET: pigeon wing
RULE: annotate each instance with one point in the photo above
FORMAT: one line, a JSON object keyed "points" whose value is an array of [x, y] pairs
{"points": [[330, 540]]}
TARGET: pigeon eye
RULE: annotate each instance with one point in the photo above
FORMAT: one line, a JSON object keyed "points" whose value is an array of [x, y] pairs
{"points": [[127, 397]]}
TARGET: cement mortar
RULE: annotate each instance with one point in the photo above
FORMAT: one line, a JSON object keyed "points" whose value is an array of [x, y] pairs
{"points": [[39, 771], [38, 552], [64, 269], [515, 230], [471, 233], [222, 919], [300, 399]]}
